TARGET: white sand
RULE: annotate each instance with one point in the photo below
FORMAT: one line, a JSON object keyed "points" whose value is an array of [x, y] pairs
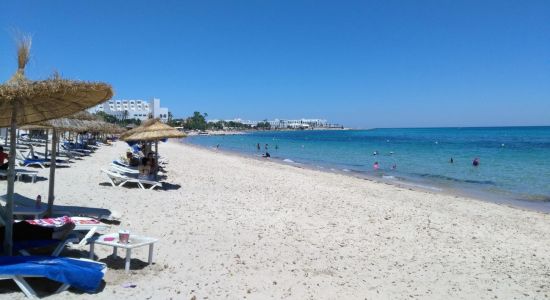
{"points": [[243, 228]]}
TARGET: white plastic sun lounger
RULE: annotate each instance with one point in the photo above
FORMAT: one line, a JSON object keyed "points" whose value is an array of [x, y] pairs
{"points": [[21, 172], [118, 179], [124, 170], [22, 210], [30, 292], [85, 227]]}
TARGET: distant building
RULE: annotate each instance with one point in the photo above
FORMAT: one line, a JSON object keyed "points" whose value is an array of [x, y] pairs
{"points": [[302, 123], [133, 109], [236, 120], [288, 124]]}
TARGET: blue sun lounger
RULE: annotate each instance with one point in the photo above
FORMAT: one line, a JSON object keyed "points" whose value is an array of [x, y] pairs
{"points": [[82, 274]]}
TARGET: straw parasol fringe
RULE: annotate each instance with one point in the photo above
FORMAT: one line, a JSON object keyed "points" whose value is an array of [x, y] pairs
{"points": [[64, 97], [24, 43]]}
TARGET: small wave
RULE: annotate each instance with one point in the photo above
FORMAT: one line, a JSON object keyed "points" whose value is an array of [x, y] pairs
{"points": [[388, 177], [288, 160], [346, 170], [487, 182]]}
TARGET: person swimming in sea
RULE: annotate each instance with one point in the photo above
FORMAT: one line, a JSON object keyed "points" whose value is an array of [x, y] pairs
{"points": [[394, 167], [375, 153], [475, 163], [276, 147], [451, 161], [376, 166], [266, 155]]}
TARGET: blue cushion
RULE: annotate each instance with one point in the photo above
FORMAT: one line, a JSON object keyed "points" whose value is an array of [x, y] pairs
{"points": [[83, 275]]}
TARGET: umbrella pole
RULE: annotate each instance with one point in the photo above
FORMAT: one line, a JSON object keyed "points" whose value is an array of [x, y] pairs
{"points": [[46, 148], [6, 139], [8, 226], [156, 158], [51, 180]]}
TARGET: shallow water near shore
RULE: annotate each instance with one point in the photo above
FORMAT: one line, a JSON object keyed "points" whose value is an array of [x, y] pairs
{"points": [[514, 161]]}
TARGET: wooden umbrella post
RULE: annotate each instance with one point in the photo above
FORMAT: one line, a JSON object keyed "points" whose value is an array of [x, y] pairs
{"points": [[51, 189], [46, 147], [8, 226], [156, 159]]}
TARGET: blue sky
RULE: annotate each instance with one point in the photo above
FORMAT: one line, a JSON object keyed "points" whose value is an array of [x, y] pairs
{"points": [[360, 63]]}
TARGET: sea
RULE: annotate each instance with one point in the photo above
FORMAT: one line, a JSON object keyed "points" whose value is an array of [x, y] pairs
{"points": [[513, 169]]}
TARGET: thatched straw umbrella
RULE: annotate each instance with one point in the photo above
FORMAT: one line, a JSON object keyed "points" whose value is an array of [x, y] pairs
{"points": [[23, 101], [152, 131]]}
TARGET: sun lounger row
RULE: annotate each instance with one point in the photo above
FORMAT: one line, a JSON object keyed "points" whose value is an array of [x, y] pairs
{"points": [[119, 179]]}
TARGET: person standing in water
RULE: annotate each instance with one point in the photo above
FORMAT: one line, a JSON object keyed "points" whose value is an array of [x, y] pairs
{"points": [[451, 161], [258, 147], [376, 166], [475, 163]]}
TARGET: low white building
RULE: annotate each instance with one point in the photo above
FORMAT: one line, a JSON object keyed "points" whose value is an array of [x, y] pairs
{"points": [[133, 109], [301, 123]]}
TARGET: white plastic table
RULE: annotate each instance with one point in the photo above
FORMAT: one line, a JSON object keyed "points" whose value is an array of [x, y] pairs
{"points": [[135, 242]]}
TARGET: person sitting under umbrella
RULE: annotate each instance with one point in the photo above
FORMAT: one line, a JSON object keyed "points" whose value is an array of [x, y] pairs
{"points": [[148, 167]]}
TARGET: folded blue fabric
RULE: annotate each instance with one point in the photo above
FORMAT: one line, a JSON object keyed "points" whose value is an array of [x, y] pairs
{"points": [[83, 275]]}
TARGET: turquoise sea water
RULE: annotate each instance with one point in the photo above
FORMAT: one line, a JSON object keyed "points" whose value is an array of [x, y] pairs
{"points": [[514, 161]]}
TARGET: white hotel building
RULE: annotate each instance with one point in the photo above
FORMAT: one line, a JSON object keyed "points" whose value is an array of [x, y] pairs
{"points": [[136, 109], [300, 123]]}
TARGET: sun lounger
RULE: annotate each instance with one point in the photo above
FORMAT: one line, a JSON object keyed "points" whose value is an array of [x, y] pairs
{"points": [[82, 274], [124, 170], [62, 210], [21, 172], [23, 247], [26, 161], [86, 227], [25, 210], [117, 179]]}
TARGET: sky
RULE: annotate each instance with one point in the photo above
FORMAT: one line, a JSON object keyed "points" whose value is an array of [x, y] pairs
{"points": [[362, 64]]}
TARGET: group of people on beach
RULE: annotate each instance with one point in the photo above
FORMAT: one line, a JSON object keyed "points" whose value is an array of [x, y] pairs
{"points": [[147, 164]]}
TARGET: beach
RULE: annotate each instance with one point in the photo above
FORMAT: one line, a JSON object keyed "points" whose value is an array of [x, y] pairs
{"points": [[237, 227]]}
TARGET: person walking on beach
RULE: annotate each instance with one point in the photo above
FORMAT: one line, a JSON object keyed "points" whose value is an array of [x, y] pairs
{"points": [[475, 163]]}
